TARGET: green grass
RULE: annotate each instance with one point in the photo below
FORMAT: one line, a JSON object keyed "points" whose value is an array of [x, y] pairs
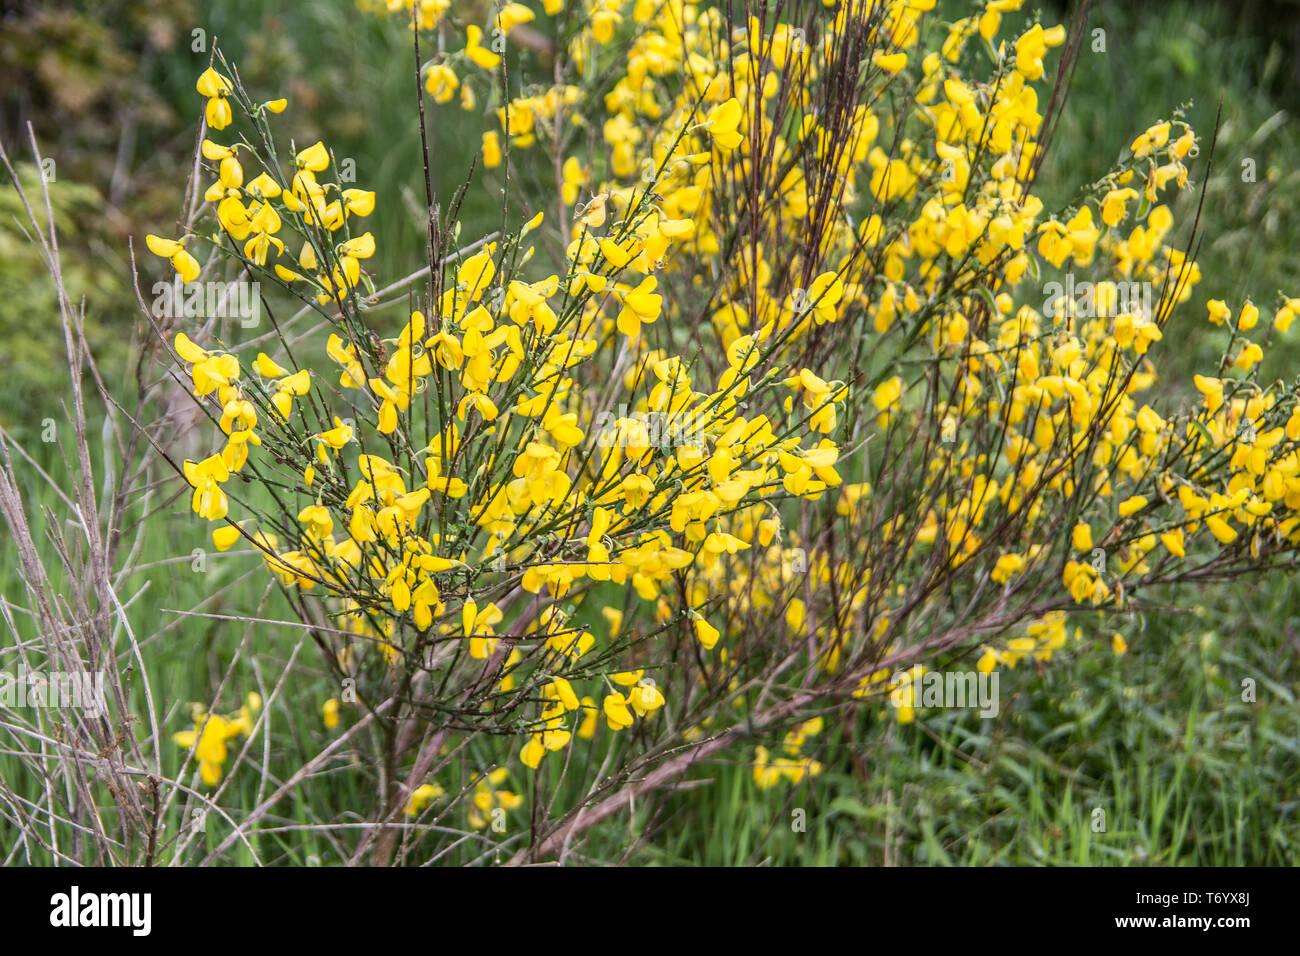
{"points": [[1159, 739]]}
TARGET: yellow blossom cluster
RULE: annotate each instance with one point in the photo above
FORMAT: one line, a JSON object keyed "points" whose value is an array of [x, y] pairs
{"points": [[791, 381]]}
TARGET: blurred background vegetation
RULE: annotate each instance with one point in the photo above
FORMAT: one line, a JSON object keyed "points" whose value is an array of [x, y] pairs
{"points": [[1159, 737]]}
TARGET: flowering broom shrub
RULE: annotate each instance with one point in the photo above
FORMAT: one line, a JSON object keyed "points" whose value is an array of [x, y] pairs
{"points": [[776, 385]]}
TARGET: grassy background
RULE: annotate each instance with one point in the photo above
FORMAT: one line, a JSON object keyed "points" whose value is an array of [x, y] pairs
{"points": [[1159, 739]]}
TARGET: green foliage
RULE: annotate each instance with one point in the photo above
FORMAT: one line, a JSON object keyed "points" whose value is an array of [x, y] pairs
{"points": [[94, 269]]}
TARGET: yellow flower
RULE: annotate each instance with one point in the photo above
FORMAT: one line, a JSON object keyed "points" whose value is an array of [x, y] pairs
{"points": [[1221, 530], [1249, 316], [421, 797], [722, 123], [1151, 140], [187, 267], [1008, 565], [336, 437], [1132, 505], [206, 477], [1284, 316], [532, 753], [215, 87], [479, 54], [1031, 47], [886, 397], [1113, 206], [225, 537], [616, 712], [574, 178], [891, 63], [441, 82], [315, 158], [1250, 356], [513, 14], [590, 718], [209, 738], [645, 698], [639, 305], [560, 691], [491, 149]]}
